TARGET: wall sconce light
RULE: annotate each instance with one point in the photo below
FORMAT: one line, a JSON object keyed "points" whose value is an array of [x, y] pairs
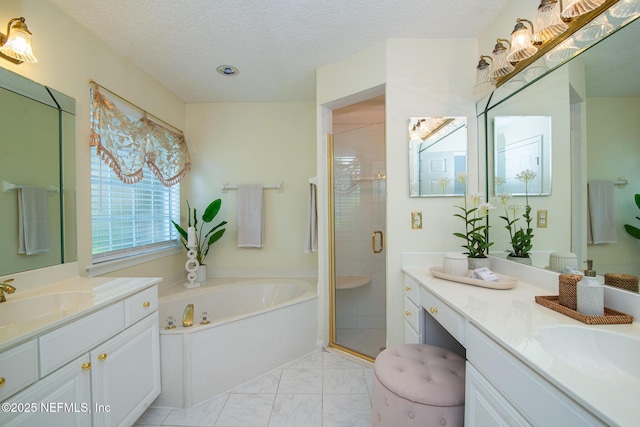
{"points": [[548, 21], [16, 45], [576, 8], [521, 45], [501, 66], [484, 83]]}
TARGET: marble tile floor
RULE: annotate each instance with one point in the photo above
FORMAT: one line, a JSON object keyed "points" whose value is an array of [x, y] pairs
{"points": [[321, 389]]}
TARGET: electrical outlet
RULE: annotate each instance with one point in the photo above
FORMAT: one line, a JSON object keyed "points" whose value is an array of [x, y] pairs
{"points": [[542, 219], [416, 220]]}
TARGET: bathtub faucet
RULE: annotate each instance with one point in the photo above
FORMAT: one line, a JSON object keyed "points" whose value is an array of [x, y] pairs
{"points": [[6, 287], [187, 316]]}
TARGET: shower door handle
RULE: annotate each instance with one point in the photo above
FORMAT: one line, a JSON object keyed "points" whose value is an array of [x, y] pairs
{"points": [[373, 241]]}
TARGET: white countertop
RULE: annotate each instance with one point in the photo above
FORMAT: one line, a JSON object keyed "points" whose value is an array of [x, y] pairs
{"points": [[105, 291], [512, 318]]}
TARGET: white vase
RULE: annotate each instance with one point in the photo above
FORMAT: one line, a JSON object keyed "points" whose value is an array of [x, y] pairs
{"points": [[201, 273], [518, 259], [455, 264], [478, 263]]}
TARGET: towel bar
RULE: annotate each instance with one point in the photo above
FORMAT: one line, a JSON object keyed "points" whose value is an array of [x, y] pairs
{"points": [[279, 186]]}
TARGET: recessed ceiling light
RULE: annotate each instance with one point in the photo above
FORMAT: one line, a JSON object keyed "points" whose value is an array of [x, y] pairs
{"points": [[228, 70]]}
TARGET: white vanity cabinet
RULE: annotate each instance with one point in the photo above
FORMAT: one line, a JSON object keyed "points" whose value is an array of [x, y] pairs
{"points": [[500, 388], [412, 311], [102, 369]]}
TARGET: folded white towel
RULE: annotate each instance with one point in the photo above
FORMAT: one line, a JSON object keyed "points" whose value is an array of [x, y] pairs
{"points": [[601, 215], [33, 221], [250, 216], [311, 244], [484, 274]]}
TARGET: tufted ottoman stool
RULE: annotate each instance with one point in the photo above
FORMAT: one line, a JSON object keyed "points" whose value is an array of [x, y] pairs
{"points": [[418, 385]]}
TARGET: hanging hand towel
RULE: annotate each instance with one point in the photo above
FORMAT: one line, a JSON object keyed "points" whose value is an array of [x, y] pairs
{"points": [[250, 216], [33, 220], [601, 216], [312, 222]]}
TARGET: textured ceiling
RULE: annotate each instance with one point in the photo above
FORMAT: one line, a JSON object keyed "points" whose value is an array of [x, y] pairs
{"points": [[277, 45]]}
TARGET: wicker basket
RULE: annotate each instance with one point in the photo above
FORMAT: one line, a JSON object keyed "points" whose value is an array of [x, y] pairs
{"points": [[567, 290], [622, 281], [610, 317]]}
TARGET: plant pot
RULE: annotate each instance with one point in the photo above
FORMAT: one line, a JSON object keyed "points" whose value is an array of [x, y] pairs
{"points": [[518, 259], [478, 263], [201, 273]]}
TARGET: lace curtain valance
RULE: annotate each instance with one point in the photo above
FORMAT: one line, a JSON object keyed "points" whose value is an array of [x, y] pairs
{"points": [[126, 145]]}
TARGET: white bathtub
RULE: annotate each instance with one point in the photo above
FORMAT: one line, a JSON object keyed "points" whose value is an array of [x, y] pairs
{"points": [[256, 325]]}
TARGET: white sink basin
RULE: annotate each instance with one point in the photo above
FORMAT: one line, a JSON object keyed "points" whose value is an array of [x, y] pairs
{"points": [[18, 310], [595, 352]]}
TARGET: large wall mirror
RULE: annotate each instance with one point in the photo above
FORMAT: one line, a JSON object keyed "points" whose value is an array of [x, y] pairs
{"points": [[593, 105], [37, 170], [437, 153]]}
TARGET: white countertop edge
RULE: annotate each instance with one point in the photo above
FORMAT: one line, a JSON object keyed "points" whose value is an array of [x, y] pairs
{"points": [[608, 410], [107, 291]]}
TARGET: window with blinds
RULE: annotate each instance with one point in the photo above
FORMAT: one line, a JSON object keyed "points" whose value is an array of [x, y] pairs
{"points": [[130, 219]]}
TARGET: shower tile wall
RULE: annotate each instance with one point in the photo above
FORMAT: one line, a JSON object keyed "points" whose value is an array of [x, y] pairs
{"points": [[360, 193]]}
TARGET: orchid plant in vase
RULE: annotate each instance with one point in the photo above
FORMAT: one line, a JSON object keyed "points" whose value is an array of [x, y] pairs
{"points": [[475, 216], [520, 238]]}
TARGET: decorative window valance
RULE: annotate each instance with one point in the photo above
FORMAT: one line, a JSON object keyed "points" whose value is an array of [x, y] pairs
{"points": [[126, 144]]}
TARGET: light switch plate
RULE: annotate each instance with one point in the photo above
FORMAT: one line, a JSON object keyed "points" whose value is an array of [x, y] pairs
{"points": [[416, 220], [542, 219]]}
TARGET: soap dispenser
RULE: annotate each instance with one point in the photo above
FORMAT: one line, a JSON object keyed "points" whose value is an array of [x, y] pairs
{"points": [[590, 293]]}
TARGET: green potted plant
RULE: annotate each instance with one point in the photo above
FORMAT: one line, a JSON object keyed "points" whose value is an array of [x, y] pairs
{"points": [[520, 238], [634, 231], [476, 236], [204, 240]]}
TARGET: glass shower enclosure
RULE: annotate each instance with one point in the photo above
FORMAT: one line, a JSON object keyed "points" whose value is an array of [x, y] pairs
{"points": [[359, 260]]}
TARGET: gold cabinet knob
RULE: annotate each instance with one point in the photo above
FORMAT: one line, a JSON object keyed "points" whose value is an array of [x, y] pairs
{"points": [[407, 313], [86, 366], [146, 304], [2, 381], [102, 356], [408, 288], [433, 310]]}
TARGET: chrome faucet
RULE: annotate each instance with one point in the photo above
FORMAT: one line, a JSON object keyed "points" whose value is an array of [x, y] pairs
{"points": [[6, 287]]}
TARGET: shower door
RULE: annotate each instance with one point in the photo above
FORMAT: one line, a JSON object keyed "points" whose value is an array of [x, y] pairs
{"points": [[359, 259]]}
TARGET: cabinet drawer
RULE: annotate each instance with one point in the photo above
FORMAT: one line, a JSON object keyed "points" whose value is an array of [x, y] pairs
{"points": [[70, 341], [412, 314], [537, 399], [18, 368], [411, 336], [445, 315], [140, 305], [411, 288]]}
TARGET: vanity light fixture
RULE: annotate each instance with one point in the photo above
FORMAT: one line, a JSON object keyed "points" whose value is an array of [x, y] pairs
{"points": [[625, 9], [15, 46], [484, 83], [521, 45], [501, 66], [595, 29], [548, 21], [576, 8]]}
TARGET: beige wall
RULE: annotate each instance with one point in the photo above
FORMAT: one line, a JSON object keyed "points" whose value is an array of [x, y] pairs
{"points": [[68, 56], [255, 143]]}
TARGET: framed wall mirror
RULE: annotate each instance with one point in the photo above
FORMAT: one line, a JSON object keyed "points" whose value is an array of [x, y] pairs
{"points": [[437, 153], [38, 156], [593, 100]]}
